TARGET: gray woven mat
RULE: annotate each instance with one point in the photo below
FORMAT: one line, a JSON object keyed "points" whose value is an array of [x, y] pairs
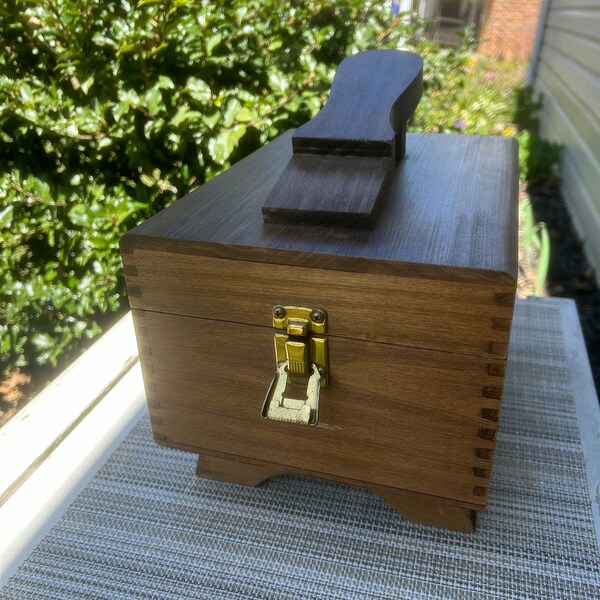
{"points": [[145, 527]]}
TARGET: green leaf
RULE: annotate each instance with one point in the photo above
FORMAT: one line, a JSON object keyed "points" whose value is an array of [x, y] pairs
{"points": [[153, 99], [240, 13], [146, 180], [246, 115], [87, 84], [129, 96], [79, 215], [26, 92], [166, 186], [165, 83], [221, 147], [184, 114], [212, 119], [6, 217], [198, 89], [105, 142], [212, 42], [102, 40], [120, 109], [180, 115], [233, 108], [278, 81], [43, 341]]}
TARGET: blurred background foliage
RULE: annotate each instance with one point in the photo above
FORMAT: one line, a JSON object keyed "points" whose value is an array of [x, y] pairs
{"points": [[110, 110]]}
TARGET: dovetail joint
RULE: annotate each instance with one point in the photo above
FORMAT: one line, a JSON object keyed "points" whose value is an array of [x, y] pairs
{"points": [[497, 348], [152, 403], [489, 414], [496, 370], [484, 453], [504, 298], [487, 434], [500, 324], [492, 392], [130, 270], [481, 472]]}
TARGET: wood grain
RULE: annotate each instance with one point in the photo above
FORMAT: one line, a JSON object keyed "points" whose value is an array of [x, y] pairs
{"points": [[419, 308], [417, 507], [236, 471], [373, 94], [330, 191], [450, 316], [392, 416], [345, 156], [449, 214], [432, 512]]}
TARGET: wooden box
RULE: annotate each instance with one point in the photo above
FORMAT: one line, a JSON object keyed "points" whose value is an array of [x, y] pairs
{"points": [[418, 313]]}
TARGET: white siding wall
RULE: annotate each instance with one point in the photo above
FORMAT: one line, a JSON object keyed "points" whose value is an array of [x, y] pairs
{"points": [[566, 70]]}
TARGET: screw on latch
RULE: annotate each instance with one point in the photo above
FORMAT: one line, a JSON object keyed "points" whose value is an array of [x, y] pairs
{"points": [[279, 312], [317, 316]]}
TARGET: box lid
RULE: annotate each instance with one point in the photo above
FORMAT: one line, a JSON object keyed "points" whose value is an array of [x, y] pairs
{"points": [[450, 213]]}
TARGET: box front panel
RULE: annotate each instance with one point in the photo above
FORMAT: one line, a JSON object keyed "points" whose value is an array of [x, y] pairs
{"points": [[404, 418], [451, 316]]}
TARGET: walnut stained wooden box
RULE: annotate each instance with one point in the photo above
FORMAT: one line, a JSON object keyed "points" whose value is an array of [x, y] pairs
{"points": [[418, 313]]}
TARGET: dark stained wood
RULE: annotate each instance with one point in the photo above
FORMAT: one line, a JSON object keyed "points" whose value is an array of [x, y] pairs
{"points": [[450, 213], [345, 156], [373, 94], [392, 416], [330, 191], [449, 316]]}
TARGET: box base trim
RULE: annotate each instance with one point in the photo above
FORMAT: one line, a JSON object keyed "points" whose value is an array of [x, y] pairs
{"points": [[419, 508]]}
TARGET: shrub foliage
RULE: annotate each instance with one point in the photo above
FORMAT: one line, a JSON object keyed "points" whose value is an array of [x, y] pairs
{"points": [[110, 110]]}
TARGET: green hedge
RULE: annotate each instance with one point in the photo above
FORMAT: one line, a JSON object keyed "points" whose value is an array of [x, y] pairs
{"points": [[110, 110]]}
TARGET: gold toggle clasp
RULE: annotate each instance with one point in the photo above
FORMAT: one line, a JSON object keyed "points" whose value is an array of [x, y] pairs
{"points": [[301, 357]]}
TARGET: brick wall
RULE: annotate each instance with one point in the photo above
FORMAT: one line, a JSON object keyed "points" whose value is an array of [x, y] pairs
{"points": [[510, 28]]}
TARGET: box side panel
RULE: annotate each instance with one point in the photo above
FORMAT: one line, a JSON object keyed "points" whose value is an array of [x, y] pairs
{"points": [[392, 416], [451, 316]]}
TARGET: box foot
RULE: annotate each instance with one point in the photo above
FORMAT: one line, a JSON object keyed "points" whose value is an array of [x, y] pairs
{"points": [[420, 509], [235, 471], [430, 512]]}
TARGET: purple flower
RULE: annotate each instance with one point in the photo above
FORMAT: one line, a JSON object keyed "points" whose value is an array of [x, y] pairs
{"points": [[460, 125]]}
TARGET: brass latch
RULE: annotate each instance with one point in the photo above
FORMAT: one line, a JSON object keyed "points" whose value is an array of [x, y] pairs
{"points": [[301, 357]]}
